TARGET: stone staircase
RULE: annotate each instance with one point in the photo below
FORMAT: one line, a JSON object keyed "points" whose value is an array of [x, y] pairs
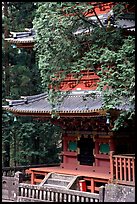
{"points": [[64, 181]]}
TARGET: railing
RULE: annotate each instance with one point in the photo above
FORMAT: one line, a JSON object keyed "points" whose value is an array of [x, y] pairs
{"points": [[10, 171], [33, 193], [122, 168]]}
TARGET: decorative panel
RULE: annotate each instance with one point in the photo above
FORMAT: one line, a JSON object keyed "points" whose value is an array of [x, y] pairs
{"points": [[104, 148], [72, 146]]}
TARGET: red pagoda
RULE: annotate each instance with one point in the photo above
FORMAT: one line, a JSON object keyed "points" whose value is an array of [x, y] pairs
{"points": [[91, 151]]}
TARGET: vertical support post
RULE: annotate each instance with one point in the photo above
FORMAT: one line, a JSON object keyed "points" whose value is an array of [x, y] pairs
{"points": [[101, 194], [129, 169], [112, 144], [125, 172], [96, 150], [18, 179], [120, 163], [64, 148], [92, 185], [111, 165], [133, 169], [19, 176], [32, 178], [116, 161]]}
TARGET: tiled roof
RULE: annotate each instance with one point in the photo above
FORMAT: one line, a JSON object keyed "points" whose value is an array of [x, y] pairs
{"points": [[126, 21], [22, 37], [74, 102], [126, 24]]}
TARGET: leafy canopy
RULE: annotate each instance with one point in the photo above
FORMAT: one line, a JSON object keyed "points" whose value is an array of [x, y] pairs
{"points": [[60, 49], [25, 141]]}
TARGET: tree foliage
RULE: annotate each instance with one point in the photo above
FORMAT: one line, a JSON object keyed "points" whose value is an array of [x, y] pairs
{"points": [[25, 141], [59, 49], [31, 141]]}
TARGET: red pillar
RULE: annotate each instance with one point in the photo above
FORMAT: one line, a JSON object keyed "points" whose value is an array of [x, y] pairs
{"points": [[32, 178]]}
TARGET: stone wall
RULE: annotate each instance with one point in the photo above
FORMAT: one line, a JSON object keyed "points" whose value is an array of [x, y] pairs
{"points": [[10, 186], [119, 193]]}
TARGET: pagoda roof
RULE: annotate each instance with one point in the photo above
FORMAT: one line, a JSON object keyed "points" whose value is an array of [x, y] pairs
{"points": [[125, 21], [22, 37], [75, 102]]}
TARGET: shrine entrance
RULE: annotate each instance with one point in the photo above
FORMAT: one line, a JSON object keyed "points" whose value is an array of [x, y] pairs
{"points": [[86, 146]]}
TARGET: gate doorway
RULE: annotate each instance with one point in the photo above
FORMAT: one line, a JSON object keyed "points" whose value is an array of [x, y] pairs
{"points": [[86, 146]]}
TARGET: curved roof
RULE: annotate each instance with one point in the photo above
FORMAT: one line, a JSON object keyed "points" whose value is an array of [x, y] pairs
{"points": [[76, 102], [126, 21]]}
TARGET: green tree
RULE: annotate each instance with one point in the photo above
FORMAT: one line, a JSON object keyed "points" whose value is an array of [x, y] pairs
{"points": [[59, 49], [24, 141]]}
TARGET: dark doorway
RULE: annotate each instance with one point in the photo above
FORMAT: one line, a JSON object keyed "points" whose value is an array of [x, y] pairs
{"points": [[86, 146]]}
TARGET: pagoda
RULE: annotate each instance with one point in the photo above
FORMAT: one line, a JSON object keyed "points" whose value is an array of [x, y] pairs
{"points": [[90, 149]]}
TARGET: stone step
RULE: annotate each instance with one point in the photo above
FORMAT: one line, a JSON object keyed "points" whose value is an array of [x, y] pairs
{"points": [[60, 182], [52, 185], [62, 176]]}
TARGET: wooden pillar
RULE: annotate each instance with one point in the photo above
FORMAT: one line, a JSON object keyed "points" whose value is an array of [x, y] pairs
{"points": [[96, 147], [112, 144], [129, 169], [32, 178], [63, 149], [133, 169], [111, 165], [96, 151], [92, 185]]}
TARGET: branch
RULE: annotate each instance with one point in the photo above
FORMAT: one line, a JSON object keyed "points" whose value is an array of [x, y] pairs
{"points": [[98, 18], [84, 19]]}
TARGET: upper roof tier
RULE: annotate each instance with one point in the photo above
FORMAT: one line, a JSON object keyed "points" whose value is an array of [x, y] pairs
{"points": [[75, 102], [22, 39], [104, 13]]}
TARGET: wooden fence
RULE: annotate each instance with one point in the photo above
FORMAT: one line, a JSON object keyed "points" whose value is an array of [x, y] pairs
{"points": [[122, 168]]}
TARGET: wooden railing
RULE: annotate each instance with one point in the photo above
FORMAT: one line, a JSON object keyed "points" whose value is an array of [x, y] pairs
{"points": [[122, 169], [28, 192]]}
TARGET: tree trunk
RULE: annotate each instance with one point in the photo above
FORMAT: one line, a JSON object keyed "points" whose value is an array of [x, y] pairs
{"points": [[6, 57], [6, 160]]}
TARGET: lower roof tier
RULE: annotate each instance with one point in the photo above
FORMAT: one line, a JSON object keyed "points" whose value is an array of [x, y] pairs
{"points": [[86, 103]]}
